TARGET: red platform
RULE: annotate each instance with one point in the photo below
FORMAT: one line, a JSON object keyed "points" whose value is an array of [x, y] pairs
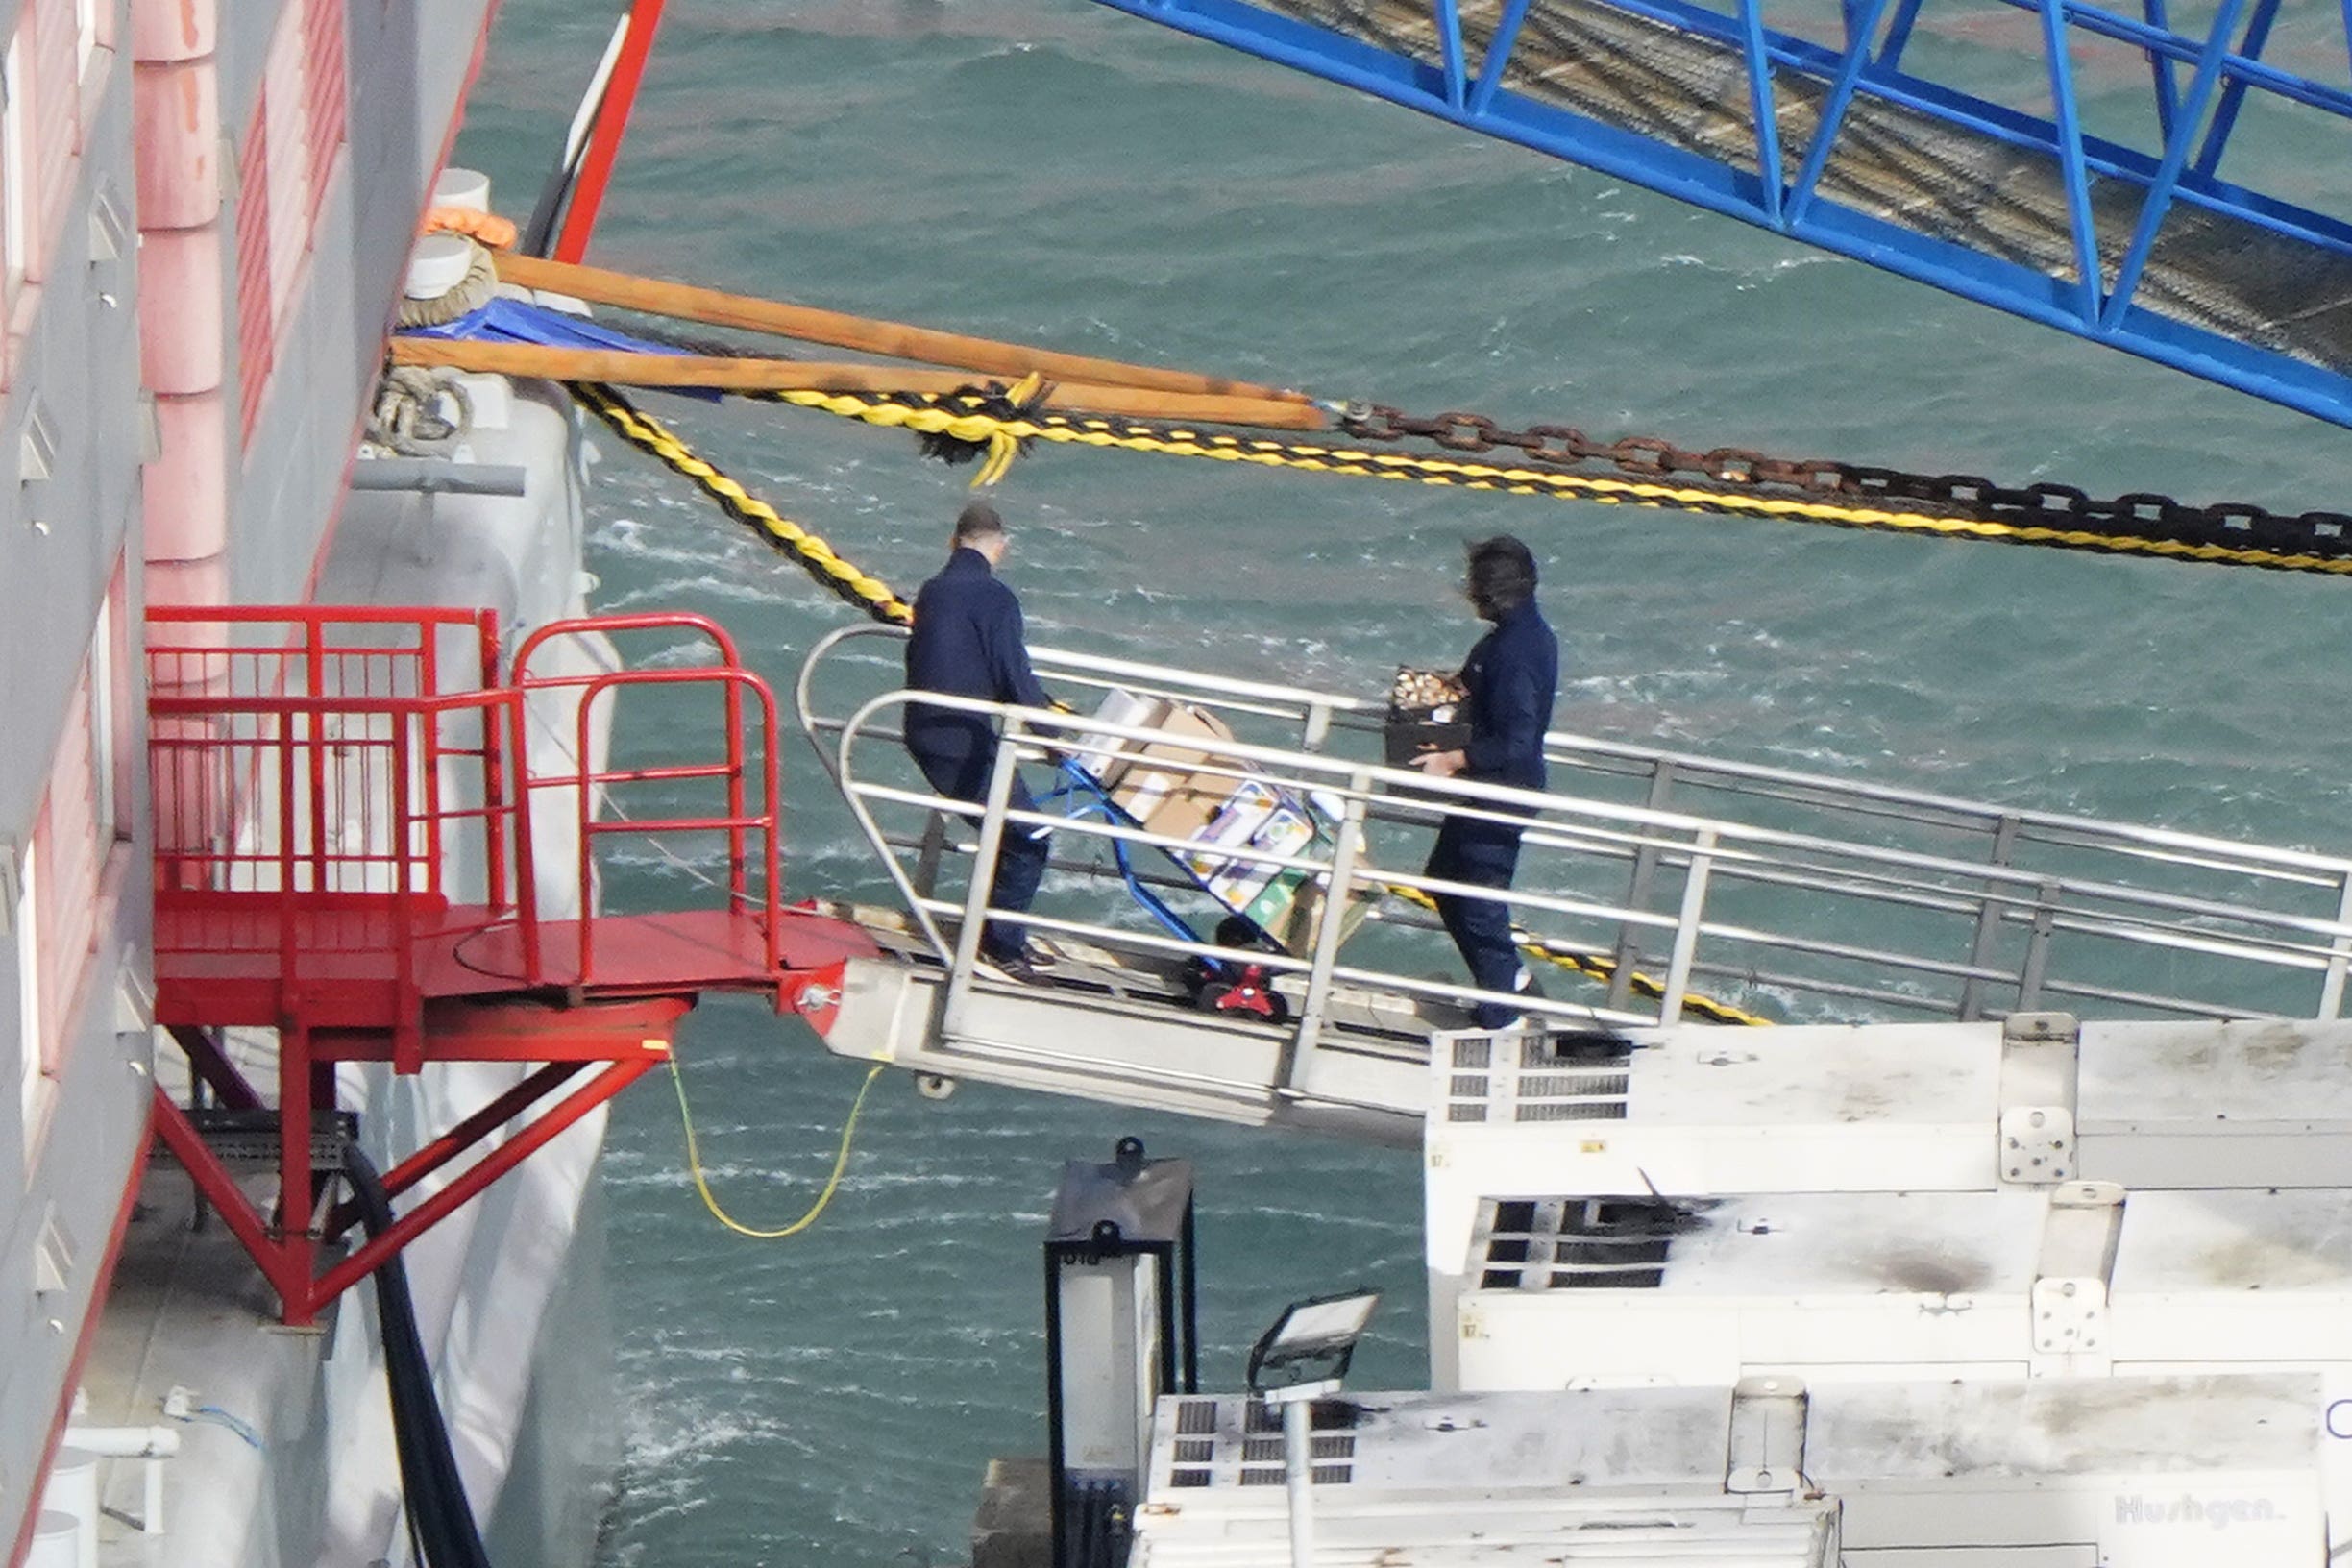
{"points": [[315, 776]]}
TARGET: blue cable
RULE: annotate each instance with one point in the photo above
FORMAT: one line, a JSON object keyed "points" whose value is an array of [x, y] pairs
{"points": [[221, 1418]]}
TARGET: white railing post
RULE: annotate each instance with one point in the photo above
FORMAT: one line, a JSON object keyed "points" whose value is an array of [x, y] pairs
{"points": [[1331, 924], [1686, 929], [2037, 946], [2332, 989], [993, 828], [1988, 920], [1629, 954]]}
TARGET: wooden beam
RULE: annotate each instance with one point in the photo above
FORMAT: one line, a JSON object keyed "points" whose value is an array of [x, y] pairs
{"points": [[626, 369], [891, 339]]}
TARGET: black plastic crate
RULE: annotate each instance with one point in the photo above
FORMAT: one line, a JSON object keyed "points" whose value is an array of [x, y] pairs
{"points": [[1424, 715]]}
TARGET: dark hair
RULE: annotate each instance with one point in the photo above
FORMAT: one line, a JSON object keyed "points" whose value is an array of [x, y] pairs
{"points": [[978, 520], [1500, 575]]}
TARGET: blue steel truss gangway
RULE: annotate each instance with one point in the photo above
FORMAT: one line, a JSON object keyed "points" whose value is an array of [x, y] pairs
{"points": [[1920, 136], [1670, 889]]}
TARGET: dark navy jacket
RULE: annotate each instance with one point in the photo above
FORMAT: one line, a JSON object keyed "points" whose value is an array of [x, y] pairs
{"points": [[966, 642], [1512, 675]]}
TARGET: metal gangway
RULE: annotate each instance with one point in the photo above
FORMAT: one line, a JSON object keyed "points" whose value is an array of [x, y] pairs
{"points": [[1664, 888]]}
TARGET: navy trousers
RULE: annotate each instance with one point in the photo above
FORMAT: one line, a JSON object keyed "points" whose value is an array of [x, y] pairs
{"points": [[1020, 859], [1486, 855]]}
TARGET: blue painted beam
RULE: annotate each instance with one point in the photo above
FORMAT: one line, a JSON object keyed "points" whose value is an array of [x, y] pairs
{"points": [[1483, 105]]}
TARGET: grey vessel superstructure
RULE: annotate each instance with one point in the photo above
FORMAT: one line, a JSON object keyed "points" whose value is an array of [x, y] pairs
{"points": [[209, 212]]}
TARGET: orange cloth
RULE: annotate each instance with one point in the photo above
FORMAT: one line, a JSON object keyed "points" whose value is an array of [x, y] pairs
{"points": [[492, 230]]}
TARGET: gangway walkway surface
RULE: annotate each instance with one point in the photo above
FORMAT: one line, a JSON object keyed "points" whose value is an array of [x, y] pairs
{"points": [[1660, 881]]}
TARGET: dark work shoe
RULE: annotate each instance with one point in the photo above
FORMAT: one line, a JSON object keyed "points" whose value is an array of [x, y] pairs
{"points": [[1019, 965], [1031, 955]]}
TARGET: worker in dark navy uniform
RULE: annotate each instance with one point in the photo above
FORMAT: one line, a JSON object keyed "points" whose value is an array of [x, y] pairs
{"points": [[968, 642], [1511, 677]]}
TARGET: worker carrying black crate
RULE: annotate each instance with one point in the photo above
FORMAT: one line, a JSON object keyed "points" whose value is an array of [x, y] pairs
{"points": [[1508, 682]]}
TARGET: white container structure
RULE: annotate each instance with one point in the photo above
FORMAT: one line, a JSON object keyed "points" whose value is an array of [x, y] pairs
{"points": [[2054, 1474], [2030, 1203]]}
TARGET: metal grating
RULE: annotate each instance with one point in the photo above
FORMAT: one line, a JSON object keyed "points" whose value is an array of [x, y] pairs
{"points": [[248, 1139], [1269, 1450], [1239, 1443], [1327, 1415], [1325, 1475], [1534, 1075], [1612, 1243], [256, 324]]}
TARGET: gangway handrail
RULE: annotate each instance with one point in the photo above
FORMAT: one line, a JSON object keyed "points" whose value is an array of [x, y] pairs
{"points": [[1507, 795], [1469, 794], [1730, 853], [1562, 745], [2120, 886]]}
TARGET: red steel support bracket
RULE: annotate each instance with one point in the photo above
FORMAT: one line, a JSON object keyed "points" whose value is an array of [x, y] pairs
{"points": [[494, 1164], [220, 1189], [460, 1138], [286, 1260], [210, 1064]]}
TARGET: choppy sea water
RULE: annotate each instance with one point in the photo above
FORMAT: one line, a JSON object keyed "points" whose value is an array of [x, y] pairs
{"points": [[1051, 171]]}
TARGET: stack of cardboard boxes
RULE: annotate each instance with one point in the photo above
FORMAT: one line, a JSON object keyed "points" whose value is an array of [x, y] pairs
{"points": [[1220, 806]]}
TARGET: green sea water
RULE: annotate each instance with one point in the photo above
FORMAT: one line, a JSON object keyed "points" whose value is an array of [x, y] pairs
{"points": [[1051, 171]]}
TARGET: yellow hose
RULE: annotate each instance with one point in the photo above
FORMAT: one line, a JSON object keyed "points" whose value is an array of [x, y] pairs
{"points": [[710, 1201]]}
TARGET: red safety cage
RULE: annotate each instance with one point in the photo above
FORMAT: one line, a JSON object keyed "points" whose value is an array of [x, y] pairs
{"points": [[352, 817]]}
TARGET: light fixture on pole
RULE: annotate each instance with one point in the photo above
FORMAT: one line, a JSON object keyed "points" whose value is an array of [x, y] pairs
{"points": [[1119, 1299], [1298, 1360]]}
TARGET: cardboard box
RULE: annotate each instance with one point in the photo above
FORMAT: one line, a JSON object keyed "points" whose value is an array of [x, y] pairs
{"points": [[1107, 757], [1161, 787], [1237, 821], [1260, 818], [1288, 907], [1166, 786]]}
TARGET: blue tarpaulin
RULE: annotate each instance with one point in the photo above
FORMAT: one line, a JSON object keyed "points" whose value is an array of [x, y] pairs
{"points": [[515, 321]]}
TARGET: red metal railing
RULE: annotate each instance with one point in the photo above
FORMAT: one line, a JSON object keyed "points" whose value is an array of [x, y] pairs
{"points": [[249, 700], [306, 766], [313, 778], [736, 819]]}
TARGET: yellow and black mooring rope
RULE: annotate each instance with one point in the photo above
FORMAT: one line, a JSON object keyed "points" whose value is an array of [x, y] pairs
{"points": [[927, 417], [1599, 966], [640, 429]]}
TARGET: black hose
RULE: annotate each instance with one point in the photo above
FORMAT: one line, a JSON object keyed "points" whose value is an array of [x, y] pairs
{"points": [[440, 1520]]}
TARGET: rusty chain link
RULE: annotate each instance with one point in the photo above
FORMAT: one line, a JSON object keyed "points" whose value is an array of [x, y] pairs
{"points": [[2140, 514]]}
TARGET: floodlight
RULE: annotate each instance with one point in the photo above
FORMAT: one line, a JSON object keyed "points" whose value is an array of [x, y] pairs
{"points": [[1311, 1342]]}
